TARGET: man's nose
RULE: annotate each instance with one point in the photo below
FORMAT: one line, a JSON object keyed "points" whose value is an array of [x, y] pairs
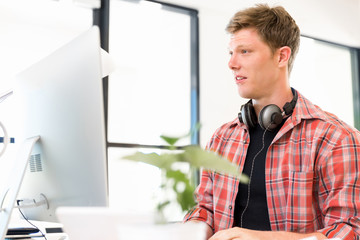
{"points": [[233, 64]]}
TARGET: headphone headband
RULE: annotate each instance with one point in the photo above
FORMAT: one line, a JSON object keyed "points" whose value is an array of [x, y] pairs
{"points": [[269, 117], [289, 106]]}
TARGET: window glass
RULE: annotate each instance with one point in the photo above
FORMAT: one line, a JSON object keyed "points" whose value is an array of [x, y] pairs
{"points": [[136, 186], [149, 93], [149, 96], [322, 72]]}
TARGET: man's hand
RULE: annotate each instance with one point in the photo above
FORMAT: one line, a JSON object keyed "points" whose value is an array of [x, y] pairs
{"points": [[237, 233]]}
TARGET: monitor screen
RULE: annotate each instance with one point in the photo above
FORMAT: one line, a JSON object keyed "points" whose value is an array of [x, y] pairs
{"points": [[60, 99]]}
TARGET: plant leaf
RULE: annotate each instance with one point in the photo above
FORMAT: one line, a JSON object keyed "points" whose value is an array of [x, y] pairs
{"points": [[173, 140], [200, 158], [163, 161], [186, 199], [170, 140]]}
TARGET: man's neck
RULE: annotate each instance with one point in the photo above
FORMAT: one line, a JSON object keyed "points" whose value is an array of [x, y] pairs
{"points": [[279, 98]]}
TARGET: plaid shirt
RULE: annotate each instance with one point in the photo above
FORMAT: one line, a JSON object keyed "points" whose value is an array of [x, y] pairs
{"points": [[312, 175]]}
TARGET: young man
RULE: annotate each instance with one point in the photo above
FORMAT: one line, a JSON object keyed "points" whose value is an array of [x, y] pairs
{"points": [[303, 163]]}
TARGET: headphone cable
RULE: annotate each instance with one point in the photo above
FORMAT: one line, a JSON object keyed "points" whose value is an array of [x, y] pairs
{"points": [[250, 177]]}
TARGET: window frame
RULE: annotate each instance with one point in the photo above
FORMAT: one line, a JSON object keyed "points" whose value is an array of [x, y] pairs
{"points": [[102, 20]]}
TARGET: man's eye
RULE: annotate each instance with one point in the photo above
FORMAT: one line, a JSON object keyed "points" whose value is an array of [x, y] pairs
{"points": [[244, 51]]}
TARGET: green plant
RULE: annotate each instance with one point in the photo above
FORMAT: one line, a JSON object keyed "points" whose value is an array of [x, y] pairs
{"points": [[178, 180]]}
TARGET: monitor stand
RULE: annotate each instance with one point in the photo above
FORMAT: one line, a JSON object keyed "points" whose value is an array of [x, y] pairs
{"points": [[8, 198]]}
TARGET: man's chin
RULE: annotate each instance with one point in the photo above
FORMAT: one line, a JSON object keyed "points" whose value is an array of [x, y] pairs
{"points": [[244, 94]]}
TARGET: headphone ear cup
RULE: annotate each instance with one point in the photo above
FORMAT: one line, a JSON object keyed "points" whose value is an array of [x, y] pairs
{"points": [[248, 115], [270, 117]]}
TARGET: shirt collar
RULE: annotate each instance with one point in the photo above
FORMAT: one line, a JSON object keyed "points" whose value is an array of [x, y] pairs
{"points": [[304, 109]]}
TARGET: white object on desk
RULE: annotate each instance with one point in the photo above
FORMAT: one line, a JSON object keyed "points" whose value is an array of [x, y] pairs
{"points": [[94, 223], [175, 231]]}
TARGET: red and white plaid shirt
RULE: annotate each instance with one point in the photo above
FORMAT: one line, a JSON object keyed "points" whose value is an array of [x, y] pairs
{"points": [[312, 175]]}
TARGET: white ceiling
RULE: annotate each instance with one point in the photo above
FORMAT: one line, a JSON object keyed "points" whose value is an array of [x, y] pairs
{"points": [[332, 20]]}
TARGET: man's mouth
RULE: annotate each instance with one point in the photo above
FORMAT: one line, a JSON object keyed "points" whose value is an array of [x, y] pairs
{"points": [[239, 79]]}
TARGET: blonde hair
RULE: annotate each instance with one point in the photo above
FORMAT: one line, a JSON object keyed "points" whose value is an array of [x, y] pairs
{"points": [[274, 25]]}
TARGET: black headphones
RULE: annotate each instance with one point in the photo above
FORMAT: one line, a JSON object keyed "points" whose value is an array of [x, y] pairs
{"points": [[269, 117]]}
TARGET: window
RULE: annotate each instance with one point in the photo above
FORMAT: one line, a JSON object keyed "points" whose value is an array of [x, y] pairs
{"points": [[322, 72], [151, 93]]}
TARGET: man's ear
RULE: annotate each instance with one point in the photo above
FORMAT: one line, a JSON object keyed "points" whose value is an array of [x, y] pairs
{"points": [[284, 55]]}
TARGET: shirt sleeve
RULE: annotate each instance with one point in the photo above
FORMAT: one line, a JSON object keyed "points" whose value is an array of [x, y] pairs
{"points": [[339, 188], [203, 211]]}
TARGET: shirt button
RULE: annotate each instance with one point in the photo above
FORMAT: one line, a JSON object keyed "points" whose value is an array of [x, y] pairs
{"points": [[230, 207]]}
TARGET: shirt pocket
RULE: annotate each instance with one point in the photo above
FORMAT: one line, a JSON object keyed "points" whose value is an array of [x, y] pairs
{"points": [[301, 202]]}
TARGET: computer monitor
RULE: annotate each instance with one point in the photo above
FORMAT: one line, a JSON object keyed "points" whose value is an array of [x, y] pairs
{"points": [[9, 193], [60, 99]]}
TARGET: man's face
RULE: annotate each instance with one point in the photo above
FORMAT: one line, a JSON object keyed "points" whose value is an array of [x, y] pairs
{"points": [[254, 65]]}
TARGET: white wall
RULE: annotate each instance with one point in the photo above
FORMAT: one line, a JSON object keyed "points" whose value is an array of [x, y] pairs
{"points": [[333, 20], [219, 100]]}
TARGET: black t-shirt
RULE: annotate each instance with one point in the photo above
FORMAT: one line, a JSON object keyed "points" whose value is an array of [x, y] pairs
{"points": [[256, 215]]}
